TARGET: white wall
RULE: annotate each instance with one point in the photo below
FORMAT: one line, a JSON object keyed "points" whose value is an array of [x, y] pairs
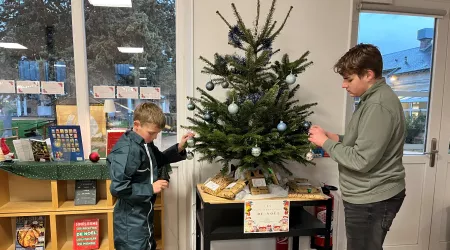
{"points": [[323, 28]]}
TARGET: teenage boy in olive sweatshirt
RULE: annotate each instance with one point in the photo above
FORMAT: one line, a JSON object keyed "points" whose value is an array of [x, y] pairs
{"points": [[369, 155]]}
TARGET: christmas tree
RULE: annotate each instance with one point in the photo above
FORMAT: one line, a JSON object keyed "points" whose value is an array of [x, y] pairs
{"points": [[260, 124]]}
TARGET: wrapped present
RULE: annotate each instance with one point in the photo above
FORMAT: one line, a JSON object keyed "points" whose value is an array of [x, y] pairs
{"points": [[301, 188], [232, 189], [216, 184], [257, 182]]}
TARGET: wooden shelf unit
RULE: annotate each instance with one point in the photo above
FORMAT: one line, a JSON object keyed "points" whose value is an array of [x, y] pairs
{"points": [[20, 196]]}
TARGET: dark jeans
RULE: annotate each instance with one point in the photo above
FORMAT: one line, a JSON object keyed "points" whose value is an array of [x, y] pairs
{"points": [[368, 224]]}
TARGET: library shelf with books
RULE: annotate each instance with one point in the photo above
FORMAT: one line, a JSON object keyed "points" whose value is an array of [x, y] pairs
{"points": [[55, 200]]}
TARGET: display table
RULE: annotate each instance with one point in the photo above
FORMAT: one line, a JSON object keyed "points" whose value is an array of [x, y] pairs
{"points": [[222, 219]]}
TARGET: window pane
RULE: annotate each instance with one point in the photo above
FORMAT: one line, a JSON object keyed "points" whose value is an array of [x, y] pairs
{"points": [[35, 48], [406, 43], [131, 50]]}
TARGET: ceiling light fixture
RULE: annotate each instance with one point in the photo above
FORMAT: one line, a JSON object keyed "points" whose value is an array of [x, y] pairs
{"points": [[130, 49], [111, 3], [12, 46]]}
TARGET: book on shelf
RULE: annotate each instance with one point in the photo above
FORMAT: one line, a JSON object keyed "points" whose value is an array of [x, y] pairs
{"points": [[30, 233], [32, 149], [113, 135], [86, 234], [66, 143]]}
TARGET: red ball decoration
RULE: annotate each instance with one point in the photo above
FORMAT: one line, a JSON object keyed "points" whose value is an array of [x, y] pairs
{"points": [[94, 157]]}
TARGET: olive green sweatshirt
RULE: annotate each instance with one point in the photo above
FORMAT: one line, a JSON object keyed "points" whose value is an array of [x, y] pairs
{"points": [[370, 153]]}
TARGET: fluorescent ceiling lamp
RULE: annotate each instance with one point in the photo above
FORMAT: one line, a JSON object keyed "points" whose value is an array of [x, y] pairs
{"points": [[12, 46], [142, 67], [130, 49], [142, 78], [111, 3], [131, 67]]}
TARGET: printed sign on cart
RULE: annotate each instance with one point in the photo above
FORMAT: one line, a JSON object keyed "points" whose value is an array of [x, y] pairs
{"points": [[7, 87], [127, 92], [151, 93], [266, 216], [104, 92], [28, 87], [53, 88]]}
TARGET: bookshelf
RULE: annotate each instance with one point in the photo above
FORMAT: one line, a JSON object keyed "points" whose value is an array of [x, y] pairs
{"points": [[54, 199]]}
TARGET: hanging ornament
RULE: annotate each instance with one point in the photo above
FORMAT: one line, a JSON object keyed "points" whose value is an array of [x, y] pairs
{"points": [[281, 126], [290, 79], [190, 142], [256, 151], [233, 108], [225, 84], [210, 85], [306, 125], [190, 105], [207, 116], [310, 155], [189, 155]]}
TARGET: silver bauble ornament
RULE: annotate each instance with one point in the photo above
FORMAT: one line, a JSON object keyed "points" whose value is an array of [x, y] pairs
{"points": [[281, 126], [256, 151], [189, 155], [190, 142], [210, 85], [207, 116], [190, 106], [233, 108], [225, 84], [290, 79]]}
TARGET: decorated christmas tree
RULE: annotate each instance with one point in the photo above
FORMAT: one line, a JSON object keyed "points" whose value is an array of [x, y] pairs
{"points": [[260, 123]]}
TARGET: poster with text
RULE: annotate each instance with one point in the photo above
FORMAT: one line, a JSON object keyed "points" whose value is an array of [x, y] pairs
{"points": [[28, 87], [127, 92], [266, 216], [150, 93], [52, 88], [7, 86], [104, 91]]}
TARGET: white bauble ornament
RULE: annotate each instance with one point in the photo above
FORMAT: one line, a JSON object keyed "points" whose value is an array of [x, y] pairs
{"points": [[233, 108], [189, 155], [190, 142], [281, 126], [290, 79], [310, 155], [256, 151]]}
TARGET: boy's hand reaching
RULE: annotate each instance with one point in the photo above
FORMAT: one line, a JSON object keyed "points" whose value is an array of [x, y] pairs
{"points": [[159, 186], [183, 141]]}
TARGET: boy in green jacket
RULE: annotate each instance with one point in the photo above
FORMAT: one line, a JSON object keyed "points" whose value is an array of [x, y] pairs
{"points": [[369, 155], [133, 164]]}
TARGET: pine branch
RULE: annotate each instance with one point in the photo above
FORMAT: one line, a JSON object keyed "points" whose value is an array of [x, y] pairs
{"points": [[247, 34], [268, 22], [258, 8], [228, 24], [282, 25]]}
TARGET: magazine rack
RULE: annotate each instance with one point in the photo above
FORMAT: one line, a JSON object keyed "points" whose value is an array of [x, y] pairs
{"points": [[26, 189]]}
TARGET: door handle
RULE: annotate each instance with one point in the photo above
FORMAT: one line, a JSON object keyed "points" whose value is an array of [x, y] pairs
{"points": [[433, 152]]}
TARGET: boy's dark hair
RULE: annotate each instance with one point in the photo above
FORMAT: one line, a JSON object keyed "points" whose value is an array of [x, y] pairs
{"points": [[359, 59], [150, 113]]}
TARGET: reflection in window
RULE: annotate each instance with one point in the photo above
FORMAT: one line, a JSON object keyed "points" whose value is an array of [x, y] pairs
{"points": [[406, 44], [131, 47], [35, 45]]}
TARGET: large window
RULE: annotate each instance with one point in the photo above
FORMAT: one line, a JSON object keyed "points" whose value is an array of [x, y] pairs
{"points": [[406, 43], [131, 51], [37, 67]]}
